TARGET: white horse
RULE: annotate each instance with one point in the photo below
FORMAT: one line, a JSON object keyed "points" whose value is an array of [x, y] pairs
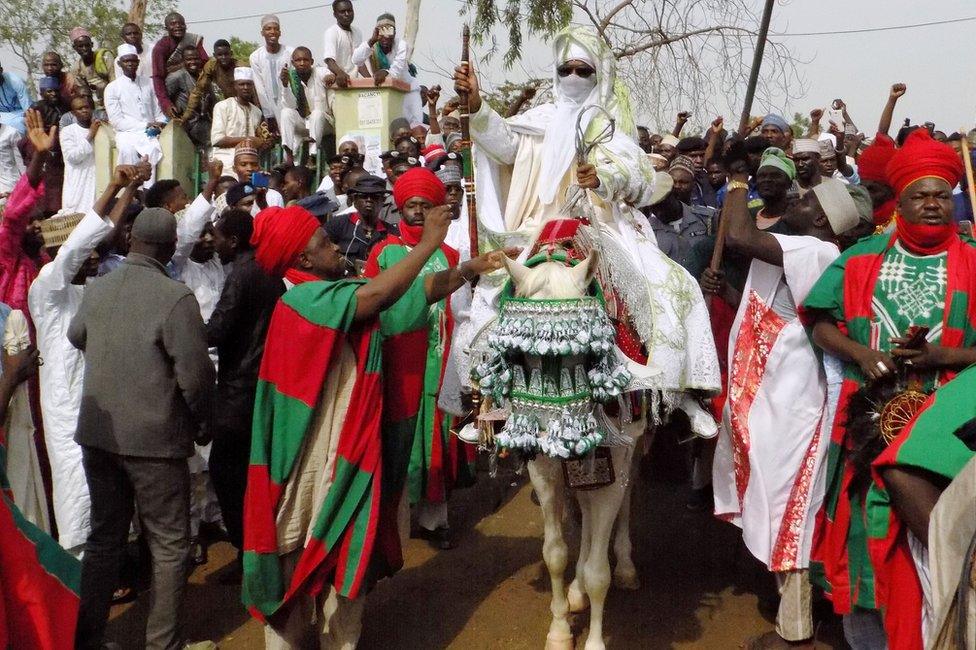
{"points": [[599, 507]]}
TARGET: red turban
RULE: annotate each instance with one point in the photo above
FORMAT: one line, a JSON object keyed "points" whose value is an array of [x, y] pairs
{"points": [[873, 160], [421, 182], [280, 234], [922, 157]]}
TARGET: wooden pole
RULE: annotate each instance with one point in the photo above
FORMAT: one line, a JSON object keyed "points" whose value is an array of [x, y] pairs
{"points": [[756, 64], [466, 154], [411, 25], [967, 160]]}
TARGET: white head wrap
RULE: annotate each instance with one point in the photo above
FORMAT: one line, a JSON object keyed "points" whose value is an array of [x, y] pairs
{"points": [[806, 145], [127, 50], [243, 74], [837, 204], [270, 19], [577, 52]]}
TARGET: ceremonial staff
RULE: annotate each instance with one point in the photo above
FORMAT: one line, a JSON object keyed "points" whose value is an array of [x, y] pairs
{"points": [[968, 162], [466, 157]]}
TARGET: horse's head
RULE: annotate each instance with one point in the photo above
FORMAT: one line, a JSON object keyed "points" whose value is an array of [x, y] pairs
{"points": [[552, 280]]}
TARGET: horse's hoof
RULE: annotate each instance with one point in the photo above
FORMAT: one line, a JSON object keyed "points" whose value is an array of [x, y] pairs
{"points": [[578, 601], [594, 644], [627, 581], [560, 643]]}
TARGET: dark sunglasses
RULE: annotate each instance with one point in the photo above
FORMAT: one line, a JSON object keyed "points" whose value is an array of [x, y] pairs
{"points": [[582, 72]]}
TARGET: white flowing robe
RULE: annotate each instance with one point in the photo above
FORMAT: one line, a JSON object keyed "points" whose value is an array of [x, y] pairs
{"points": [[131, 105], [54, 301], [11, 164], [769, 471], [78, 192]]}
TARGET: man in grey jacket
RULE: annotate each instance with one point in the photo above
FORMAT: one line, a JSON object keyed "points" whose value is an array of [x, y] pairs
{"points": [[146, 397]]}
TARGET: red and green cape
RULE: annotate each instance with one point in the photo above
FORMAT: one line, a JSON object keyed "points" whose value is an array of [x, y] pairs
{"points": [[309, 325], [416, 345], [39, 580], [841, 561]]}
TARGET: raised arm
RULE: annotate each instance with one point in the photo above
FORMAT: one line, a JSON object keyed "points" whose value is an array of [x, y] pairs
{"points": [[743, 235], [440, 285], [712, 137], [433, 94], [387, 287], [884, 124], [493, 134], [42, 141], [680, 123], [526, 95]]}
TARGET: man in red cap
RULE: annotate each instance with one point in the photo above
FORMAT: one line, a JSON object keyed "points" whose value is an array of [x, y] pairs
{"points": [[311, 517], [921, 280], [417, 331]]}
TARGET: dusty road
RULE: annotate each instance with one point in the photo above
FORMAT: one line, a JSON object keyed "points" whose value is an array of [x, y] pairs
{"points": [[700, 588]]}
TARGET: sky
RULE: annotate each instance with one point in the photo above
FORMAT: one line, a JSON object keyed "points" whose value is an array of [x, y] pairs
{"points": [[935, 62]]}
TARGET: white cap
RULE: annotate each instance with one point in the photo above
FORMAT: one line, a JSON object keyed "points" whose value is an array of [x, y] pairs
{"points": [[270, 19], [243, 74], [837, 204], [806, 145], [670, 139], [127, 50]]}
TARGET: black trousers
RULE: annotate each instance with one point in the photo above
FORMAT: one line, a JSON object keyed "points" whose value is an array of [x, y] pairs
{"points": [[161, 487], [230, 455]]}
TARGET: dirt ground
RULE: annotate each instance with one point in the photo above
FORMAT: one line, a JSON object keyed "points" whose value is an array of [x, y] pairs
{"points": [[699, 586]]}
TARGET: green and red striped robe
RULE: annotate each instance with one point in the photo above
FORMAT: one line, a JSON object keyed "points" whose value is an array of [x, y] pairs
{"points": [[416, 344], [39, 580], [309, 325], [841, 561]]}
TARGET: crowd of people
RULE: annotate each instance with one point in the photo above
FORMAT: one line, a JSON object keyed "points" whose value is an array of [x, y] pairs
{"points": [[182, 367]]}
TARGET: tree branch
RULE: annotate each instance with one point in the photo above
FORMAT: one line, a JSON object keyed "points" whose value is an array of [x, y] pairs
{"points": [[667, 40]]}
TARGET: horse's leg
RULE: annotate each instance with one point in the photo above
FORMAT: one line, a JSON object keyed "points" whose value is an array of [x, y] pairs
{"points": [[604, 505], [547, 482], [625, 573], [577, 591]]}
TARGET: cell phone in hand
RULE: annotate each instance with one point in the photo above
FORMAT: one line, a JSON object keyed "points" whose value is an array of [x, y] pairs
{"points": [[260, 179]]}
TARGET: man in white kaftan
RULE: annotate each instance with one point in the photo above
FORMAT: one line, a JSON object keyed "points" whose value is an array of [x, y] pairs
{"points": [[524, 167], [78, 151], [769, 470], [54, 298], [304, 109], [267, 62], [134, 112]]}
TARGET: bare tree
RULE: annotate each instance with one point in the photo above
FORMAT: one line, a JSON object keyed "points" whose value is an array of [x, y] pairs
{"points": [[673, 54]]}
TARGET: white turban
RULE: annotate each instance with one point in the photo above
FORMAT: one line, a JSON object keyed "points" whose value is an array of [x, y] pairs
{"points": [[243, 74], [670, 139], [806, 145], [579, 53], [837, 204], [127, 50], [270, 19]]}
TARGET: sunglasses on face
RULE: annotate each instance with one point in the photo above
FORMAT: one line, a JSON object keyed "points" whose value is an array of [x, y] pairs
{"points": [[583, 72]]}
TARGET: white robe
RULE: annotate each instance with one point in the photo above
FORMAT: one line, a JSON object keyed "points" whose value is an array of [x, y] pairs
{"points": [[145, 63], [78, 192], [267, 68], [231, 120], [23, 468], [54, 301], [294, 127], [768, 473], [206, 279], [131, 105]]}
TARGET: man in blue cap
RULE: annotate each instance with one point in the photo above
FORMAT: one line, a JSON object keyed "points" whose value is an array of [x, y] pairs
{"points": [[777, 131]]}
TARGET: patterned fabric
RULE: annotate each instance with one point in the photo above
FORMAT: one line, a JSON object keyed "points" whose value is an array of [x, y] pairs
{"points": [[17, 270], [315, 318], [926, 443], [854, 291], [416, 345]]}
